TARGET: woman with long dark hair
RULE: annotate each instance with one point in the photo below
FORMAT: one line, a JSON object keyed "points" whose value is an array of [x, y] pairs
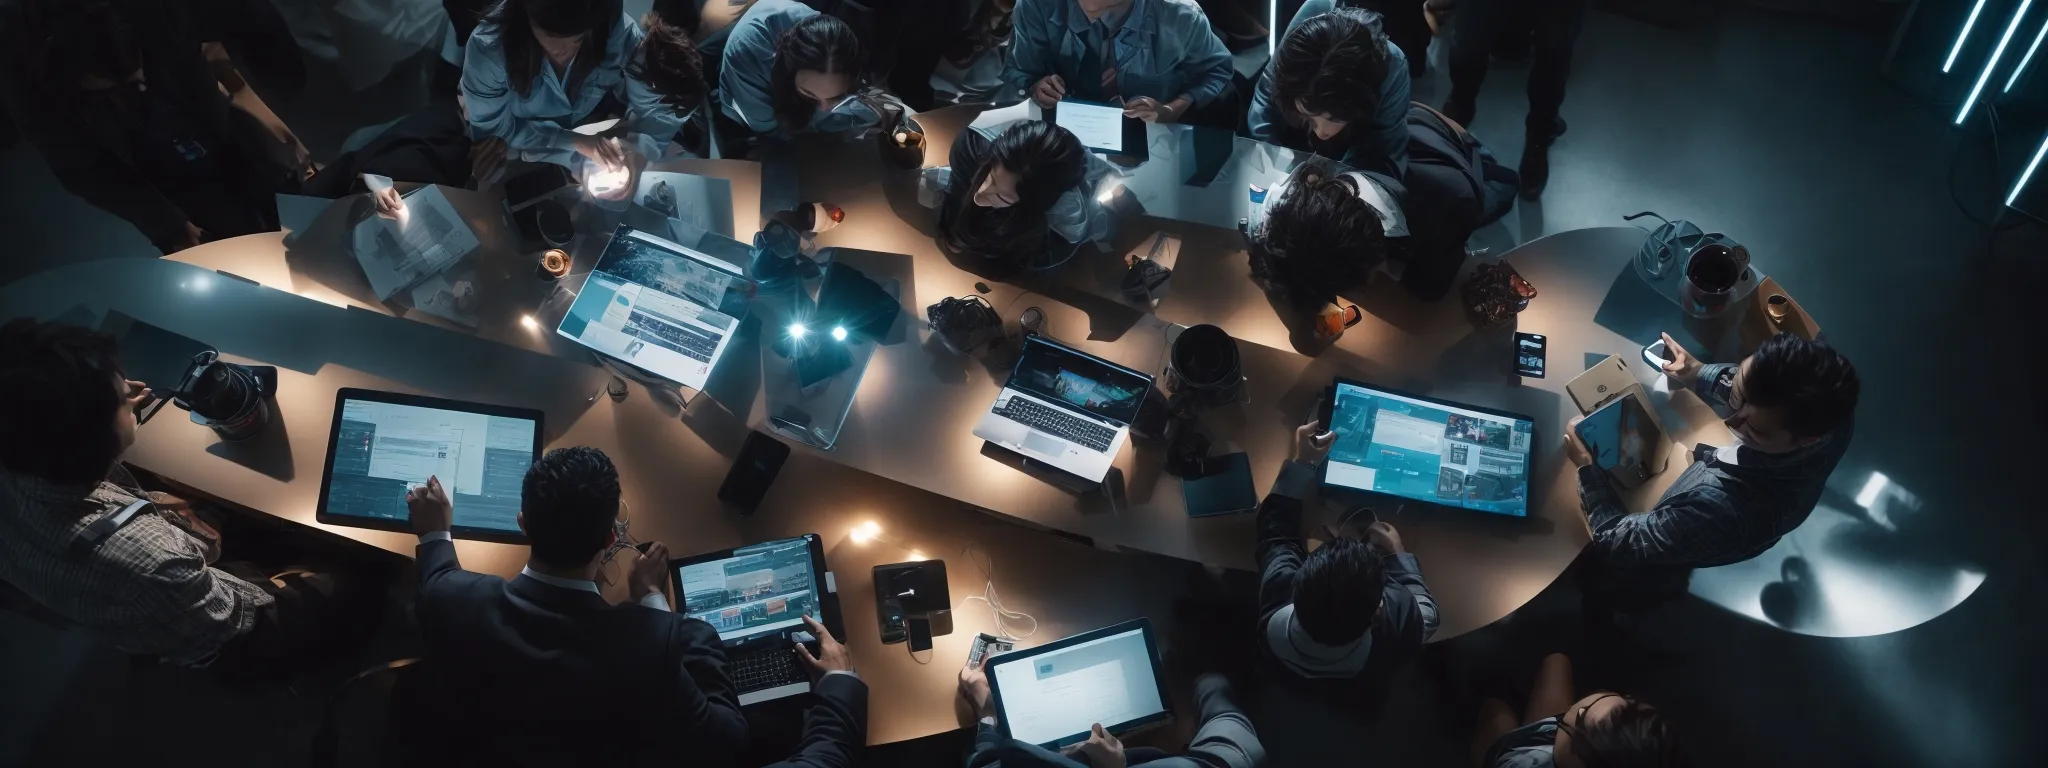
{"points": [[535, 69], [787, 68], [1600, 730], [1336, 88], [1023, 193]]}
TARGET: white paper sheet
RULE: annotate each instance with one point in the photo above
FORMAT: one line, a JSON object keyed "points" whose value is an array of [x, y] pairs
{"points": [[427, 237], [1098, 127]]}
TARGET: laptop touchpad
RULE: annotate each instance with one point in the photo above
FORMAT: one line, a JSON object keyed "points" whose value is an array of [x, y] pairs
{"points": [[1041, 443]]}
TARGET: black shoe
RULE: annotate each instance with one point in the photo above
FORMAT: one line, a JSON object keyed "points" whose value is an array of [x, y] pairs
{"points": [[1535, 170], [1461, 112]]}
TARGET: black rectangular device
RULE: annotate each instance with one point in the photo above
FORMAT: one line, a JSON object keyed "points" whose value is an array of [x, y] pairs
{"points": [[385, 443], [1428, 449], [1051, 695], [752, 472], [1529, 354]]}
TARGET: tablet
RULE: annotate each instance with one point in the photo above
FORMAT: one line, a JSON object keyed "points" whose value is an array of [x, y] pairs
{"points": [[1102, 128], [384, 443], [1052, 694], [754, 591], [1428, 450]]}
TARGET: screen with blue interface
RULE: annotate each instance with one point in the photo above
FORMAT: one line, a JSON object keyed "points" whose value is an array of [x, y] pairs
{"points": [[660, 306], [1430, 452], [383, 449], [1060, 694], [762, 588], [1060, 374]]}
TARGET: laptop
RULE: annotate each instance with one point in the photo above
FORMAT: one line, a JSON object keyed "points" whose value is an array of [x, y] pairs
{"points": [[1065, 407], [661, 306], [756, 597]]}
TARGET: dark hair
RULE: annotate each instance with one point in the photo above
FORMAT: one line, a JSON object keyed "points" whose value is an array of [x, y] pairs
{"points": [[1333, 64], [594, 19], [1317, 239], [571, 500], [59, 391], [60, 41], [1810, 384], [1047, 159], [1337, 590], [989, 28], [1632, 735], [670, 65], [820, 44]]}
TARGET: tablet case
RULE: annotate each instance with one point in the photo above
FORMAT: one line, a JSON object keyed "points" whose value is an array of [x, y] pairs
{"points": [[1606, 382], [1224, 487]]}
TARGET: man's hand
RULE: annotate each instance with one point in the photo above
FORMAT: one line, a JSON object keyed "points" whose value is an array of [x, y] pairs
{"points": [[1150, 110], [832, 657], [1049, 90], [1574, 448], [486, 158], [605, 152], [650, 570], [430, 508], [138, 393], [974, 686], [1102, 749], [389, 204], [1312, 443], [1382, 534], [1683, 366]]}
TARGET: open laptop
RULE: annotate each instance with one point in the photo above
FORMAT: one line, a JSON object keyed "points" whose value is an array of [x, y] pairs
{"points": [[1065, 407], [756, 597]]}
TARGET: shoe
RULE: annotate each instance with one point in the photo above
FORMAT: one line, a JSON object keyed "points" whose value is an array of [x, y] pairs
{"points": [[1557, 127], [1459, 112], [1535, 169]]}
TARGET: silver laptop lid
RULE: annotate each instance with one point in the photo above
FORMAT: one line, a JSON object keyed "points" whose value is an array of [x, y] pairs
{"points": [[1079, 382]]}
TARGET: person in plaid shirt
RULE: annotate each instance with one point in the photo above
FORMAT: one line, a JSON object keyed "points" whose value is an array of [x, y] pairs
{"points": [[148, 585]]}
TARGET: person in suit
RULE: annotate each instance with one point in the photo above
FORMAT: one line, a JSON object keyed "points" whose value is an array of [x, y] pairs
{"points": [[1336, 88], [541, 669], [836, 726]]}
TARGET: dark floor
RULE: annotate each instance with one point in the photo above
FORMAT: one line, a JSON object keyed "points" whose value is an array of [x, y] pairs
{"points": [[1779, 131]]}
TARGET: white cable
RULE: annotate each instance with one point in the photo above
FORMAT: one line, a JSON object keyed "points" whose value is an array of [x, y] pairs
{"points": [[1003, 616]]}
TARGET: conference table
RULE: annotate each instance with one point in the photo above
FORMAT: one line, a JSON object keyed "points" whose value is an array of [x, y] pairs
{"points": [[904, 478]]}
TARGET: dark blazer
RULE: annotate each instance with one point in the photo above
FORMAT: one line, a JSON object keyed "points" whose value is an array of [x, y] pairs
{"points": [[836, 726], [527, 673]]}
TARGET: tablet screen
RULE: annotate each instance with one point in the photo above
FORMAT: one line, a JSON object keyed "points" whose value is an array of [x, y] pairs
{"points": [[660, 306], [1053, 696], [1429, 451], [760, 589], [381, 449], [1098, 126]]}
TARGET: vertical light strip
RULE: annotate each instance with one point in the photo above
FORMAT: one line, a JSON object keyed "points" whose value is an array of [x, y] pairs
{"points": [[1996, 54], [1960, 36], [1273, 32], [2029, 57], [2028, 173]]}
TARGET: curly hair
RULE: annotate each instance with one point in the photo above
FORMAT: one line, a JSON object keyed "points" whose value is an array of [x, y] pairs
{"points": [[820, 44], [1333, 64], [1812, 384], [1318, 238]]}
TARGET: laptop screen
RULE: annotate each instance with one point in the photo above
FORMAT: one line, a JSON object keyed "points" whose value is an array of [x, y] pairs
{"points": [[760, 589], [1087, 383], [660, 306]]}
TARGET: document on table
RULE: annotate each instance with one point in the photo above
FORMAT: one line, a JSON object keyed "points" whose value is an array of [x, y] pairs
{"points": [[1096, 125], [427, 237]]}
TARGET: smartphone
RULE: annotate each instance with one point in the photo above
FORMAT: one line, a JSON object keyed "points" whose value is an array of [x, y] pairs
{"points": [[1529, 354], [755, 469], [1657, 354]]}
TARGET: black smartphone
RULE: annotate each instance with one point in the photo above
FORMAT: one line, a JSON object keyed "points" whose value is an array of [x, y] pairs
{"points": [[755, 469], [1529, 354]]}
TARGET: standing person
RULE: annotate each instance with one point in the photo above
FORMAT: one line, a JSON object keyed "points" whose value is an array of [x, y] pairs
{"points": [[1560, 728], [1791, 408], [1336, 88], [1338, 622], [535, 69], [1475, 25], [1158, 58], [126, 106], [1224, 737], [542, 663], [136, 569]]}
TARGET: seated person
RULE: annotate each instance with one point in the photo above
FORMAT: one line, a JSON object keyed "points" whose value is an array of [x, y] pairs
{"points": [[1791, 408], [1156, 57], [973, 62], [788, 69], [535, 69], [149, 586], [1224, 737], [707, 23], [137, 113], [1325, 233], [1337, 89], [1338, 622], [1560, 728], [836, 727], [542, 663], [1023, 192]]}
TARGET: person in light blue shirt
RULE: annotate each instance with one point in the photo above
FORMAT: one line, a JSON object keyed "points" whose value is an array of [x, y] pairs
{"points": [[789, 69], [1024, 192], [1156, 57], [535, 69], [1336, 88]]}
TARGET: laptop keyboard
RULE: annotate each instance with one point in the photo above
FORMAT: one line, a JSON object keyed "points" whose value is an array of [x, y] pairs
{"points": [[766, 669], [1058, 423]]}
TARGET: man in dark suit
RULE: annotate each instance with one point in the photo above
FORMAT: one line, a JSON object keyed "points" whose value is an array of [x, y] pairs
{"points": [[837, 726], [541, 670]]}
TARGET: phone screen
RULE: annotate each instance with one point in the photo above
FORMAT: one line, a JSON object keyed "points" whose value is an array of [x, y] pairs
{"points": [[1529, 354]]}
